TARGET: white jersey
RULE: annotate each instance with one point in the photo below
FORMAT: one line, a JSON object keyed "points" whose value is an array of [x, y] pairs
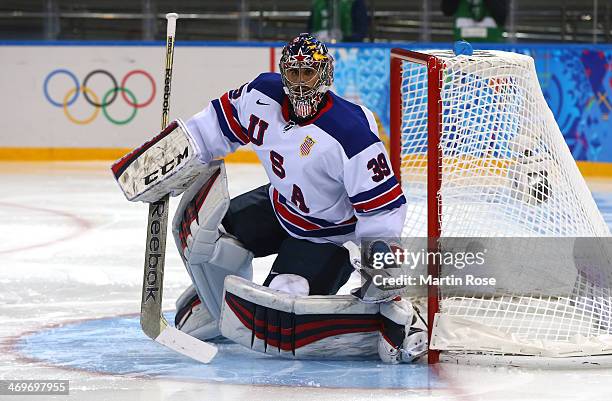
{"points": [[331, 180]]}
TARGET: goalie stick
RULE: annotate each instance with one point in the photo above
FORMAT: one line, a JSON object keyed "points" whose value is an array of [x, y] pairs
{"points": [[152, 320]]}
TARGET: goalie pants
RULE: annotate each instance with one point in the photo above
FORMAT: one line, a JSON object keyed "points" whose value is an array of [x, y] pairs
{"points": [[251, 219]]}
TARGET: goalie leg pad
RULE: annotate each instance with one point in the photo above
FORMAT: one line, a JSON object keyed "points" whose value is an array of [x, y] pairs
{"points": [[200, 212], [300, 327], [194, 318], [167, 164], [208, 253], [208, 277], [403, 337]]}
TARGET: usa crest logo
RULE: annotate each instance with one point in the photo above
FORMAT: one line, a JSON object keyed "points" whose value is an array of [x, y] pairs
{"points": [[306, 146]]}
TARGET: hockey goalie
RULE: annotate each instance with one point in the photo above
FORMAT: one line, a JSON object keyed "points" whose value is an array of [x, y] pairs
{"points": [[330, 183]]}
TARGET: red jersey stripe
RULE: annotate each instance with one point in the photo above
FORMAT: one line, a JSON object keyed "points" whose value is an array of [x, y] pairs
{"points": [[291, 217], [380, 200], [233, 123]]}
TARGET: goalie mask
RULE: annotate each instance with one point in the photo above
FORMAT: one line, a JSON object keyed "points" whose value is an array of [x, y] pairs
{"points": [[307, 71]]}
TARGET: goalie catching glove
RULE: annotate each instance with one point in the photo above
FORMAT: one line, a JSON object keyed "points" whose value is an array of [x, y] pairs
{"points": [[373, 265]]}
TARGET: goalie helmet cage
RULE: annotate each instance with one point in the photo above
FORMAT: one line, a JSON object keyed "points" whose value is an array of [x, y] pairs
{"points": [[479, 154]]}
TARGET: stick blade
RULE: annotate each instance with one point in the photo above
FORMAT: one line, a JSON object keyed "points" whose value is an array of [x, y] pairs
{"points": [[187, 345]]}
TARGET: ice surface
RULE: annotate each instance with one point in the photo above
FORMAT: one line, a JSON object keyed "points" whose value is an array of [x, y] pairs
{"points": [[71, 251]]}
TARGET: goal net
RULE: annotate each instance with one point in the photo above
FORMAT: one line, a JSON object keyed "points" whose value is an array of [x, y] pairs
{"points": [[479, 154]]}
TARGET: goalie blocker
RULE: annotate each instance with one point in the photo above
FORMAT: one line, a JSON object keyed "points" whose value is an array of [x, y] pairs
{"points": [[167, 164]]}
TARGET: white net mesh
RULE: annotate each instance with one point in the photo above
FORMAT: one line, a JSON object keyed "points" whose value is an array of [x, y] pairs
{"points": [[506, 172]]}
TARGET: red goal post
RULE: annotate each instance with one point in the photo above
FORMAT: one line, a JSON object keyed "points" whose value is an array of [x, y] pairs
{"points": [[434, 76]]}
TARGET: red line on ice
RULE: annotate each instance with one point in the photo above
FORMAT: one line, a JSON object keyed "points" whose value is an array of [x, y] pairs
{"points": [[82, 226]]}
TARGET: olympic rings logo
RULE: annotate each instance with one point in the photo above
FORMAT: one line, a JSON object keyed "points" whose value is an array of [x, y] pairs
{"points": [[108, 98]]}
